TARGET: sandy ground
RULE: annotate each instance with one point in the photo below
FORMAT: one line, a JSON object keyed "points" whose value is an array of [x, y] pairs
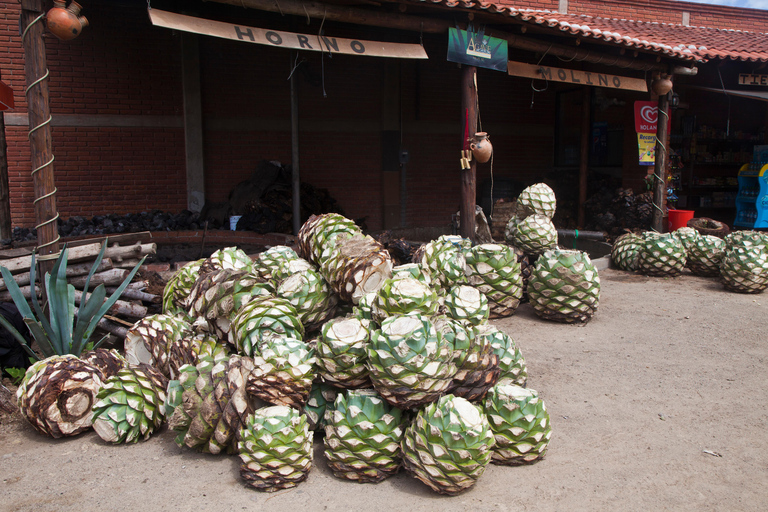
{"points": [[658, 403]]}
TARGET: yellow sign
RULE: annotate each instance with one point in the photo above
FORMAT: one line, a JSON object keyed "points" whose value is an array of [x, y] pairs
{"points": [[646, 143], [310, 42], [574, 76]]}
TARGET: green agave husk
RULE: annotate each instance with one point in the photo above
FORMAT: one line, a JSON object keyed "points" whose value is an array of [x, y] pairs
{"points": [[448, 445], [477, 365], [230, 258], [513, 369], [534, 234], [276, 449], [131, 405], [179, 286], [262, 318], [321, 399], [284, 369], [155, 340], [214, 404], [219, 295], [342, 355], [409, 361], [403, 296], [625, 251], [271, 265], [445, 260], [56, 394], [311, 295], [413, 270], [520, 424], [744, 269], [364, 308], [564, 287], [317, 236], [467, 304], [362, 437], [495, 270], [746, 238], [705, 255], [537, 199], [661, 255]]}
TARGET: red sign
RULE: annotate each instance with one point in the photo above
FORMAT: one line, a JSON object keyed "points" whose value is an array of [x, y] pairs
{"points": [[646, 116], [6, 97]]}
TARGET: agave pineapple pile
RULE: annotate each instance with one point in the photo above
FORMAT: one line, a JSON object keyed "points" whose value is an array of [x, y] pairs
{"points": [[254, 357], [740, 260]]}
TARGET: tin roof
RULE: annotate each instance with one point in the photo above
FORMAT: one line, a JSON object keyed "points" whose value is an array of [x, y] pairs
{"points": [[673, 40]]}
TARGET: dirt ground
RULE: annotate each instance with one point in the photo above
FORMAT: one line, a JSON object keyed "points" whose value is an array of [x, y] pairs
{"points": [[659, 403]]}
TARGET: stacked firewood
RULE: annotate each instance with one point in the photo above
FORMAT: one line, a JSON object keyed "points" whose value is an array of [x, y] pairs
{"points": [[122, 254]]}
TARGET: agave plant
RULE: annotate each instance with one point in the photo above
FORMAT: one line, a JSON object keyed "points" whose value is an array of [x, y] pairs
{"points": [[60, 333]]}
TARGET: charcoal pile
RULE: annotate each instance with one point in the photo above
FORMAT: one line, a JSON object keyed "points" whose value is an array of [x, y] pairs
{"points": [[400, 249], [265, 204], [110, 224], [618, 210]]}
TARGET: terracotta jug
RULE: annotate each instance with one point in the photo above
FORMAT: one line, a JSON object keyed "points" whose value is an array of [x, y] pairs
{"points": [[662, 85], [481, 147], [65, 22]]}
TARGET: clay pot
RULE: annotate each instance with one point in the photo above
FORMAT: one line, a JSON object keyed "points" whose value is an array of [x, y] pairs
{"points": [[65, 23], [482, 149], [662, 85]]}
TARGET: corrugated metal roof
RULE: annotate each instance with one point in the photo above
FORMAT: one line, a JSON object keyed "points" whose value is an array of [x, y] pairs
{"points": [[673, 40]]}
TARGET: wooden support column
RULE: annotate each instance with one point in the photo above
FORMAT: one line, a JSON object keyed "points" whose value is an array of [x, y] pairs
{"points": [[193, 121], [390, 144], [295, 169], [586, 112], [660, 165], [38, 109], [6, 229], [468, 176]]}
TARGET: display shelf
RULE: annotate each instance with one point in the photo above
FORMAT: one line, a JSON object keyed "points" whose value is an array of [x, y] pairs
{"points": [[752, 199]]}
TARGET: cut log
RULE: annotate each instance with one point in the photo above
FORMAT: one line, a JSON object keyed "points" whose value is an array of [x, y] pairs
{"points": [[120, 307], [80, 269], [127, 263], [113, 328], [130, 293], [118, 253], [75, 254], [111, 277]]}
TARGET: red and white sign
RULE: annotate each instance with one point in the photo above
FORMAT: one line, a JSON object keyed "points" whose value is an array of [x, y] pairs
{"points": [[647, 116]]}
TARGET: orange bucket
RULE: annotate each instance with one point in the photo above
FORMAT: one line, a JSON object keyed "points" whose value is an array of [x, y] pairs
{"points": [[679, 218]]}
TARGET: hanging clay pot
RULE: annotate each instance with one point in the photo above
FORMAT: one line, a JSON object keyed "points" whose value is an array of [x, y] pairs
{"points": [[481, 147], [65, 22], [662, 85]]}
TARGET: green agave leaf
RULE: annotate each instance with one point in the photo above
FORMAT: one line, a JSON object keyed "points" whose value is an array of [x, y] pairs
{"points": [[16, 334], [87, 311], [113, 298]]}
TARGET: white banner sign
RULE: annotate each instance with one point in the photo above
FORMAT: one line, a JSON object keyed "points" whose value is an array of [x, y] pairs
{"points": [[310, 42]]}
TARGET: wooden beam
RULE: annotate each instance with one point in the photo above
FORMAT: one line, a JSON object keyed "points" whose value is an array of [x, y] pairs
{"points": [[378, 18], [295, 148], [5, 188], [193, 121], [660, 166], [468, 176], [39, 111], [586, 112]]}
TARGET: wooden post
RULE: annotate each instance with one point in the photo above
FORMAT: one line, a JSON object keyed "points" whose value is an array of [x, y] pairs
{"points": [[660, 165], [295, 170], [39, 113], [193, 121], [586, 111], [468, 176], [6, 228]]}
